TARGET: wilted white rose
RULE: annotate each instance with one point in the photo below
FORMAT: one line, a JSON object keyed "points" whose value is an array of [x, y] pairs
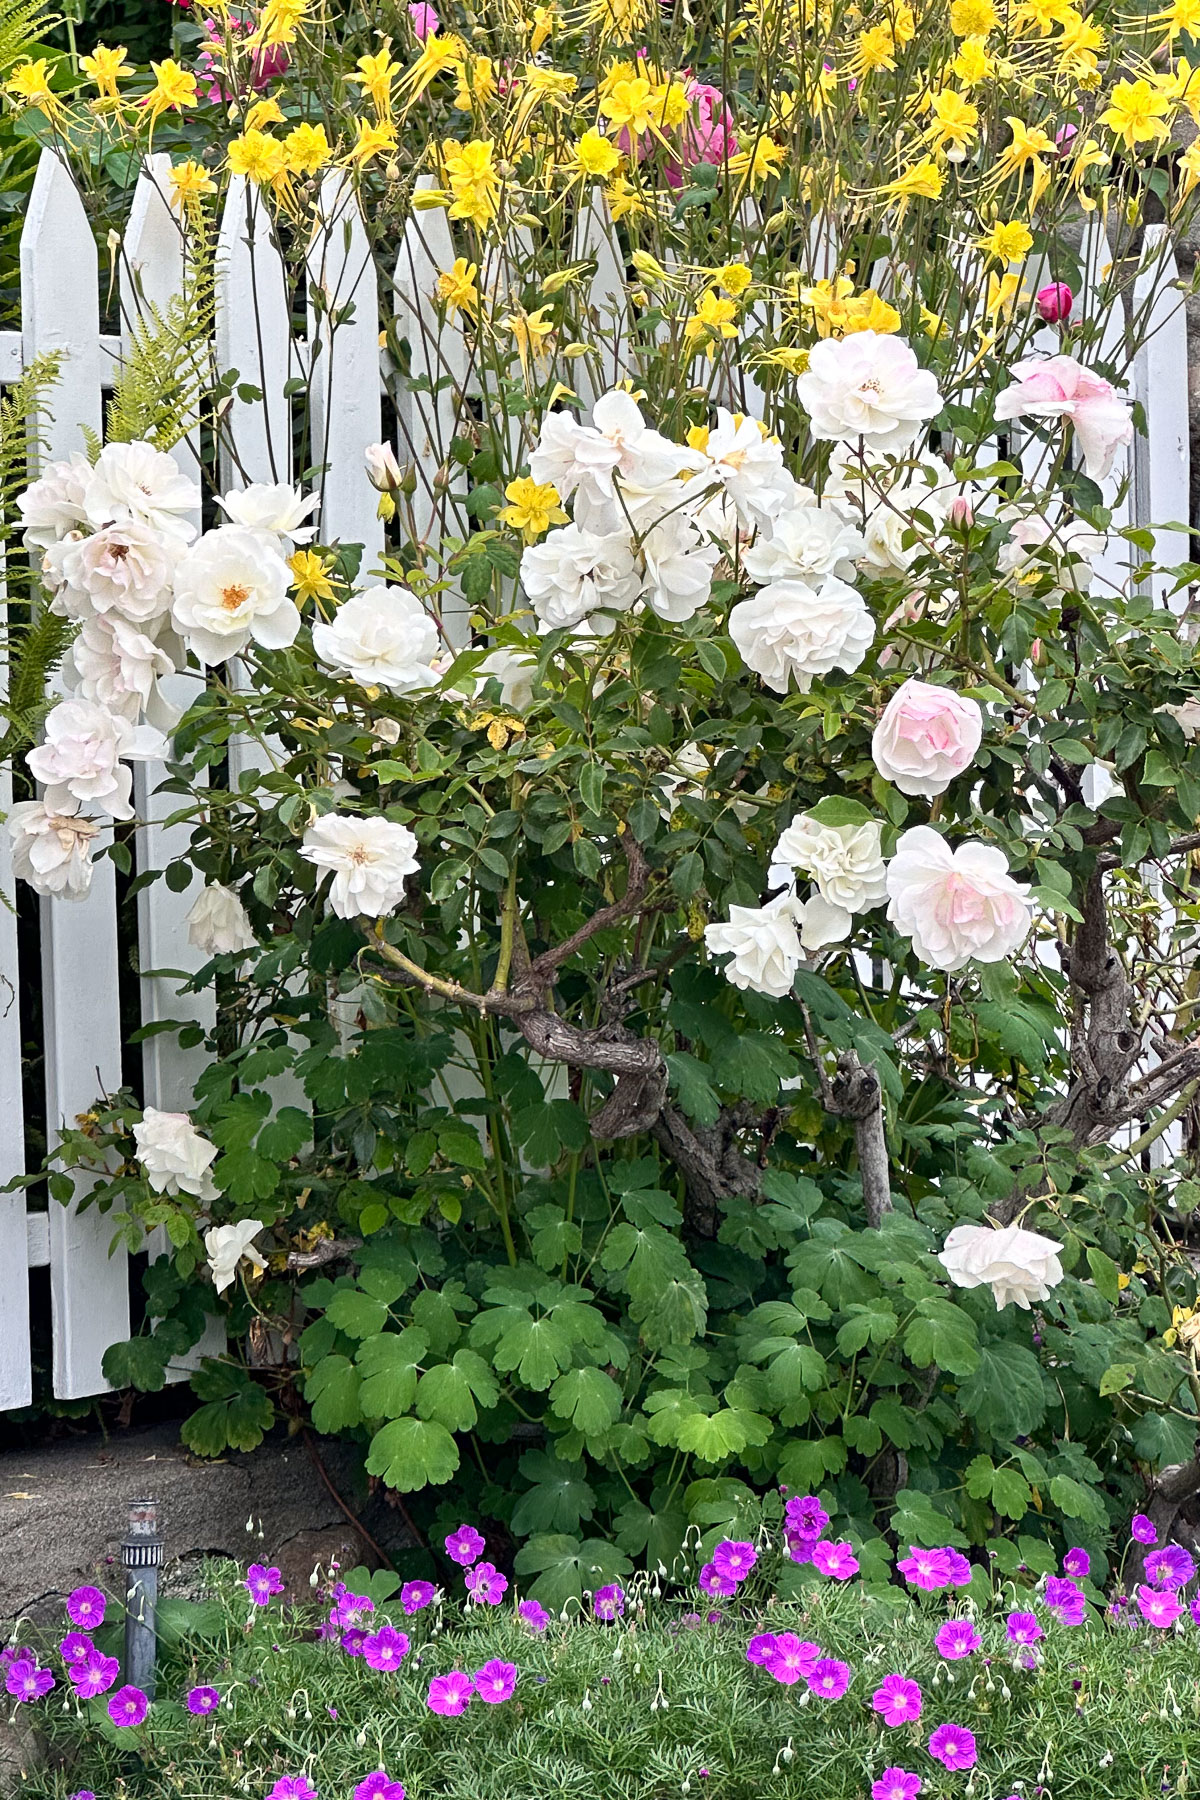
{"points": [[763, 945], [383, 471], [574, 577], [867, 386], [1186, 716], [52, 851], [749, 466], [231, 588], [226, 1245], [370, 858], [956, 905], [53, 504], [383, 637], [804, 544], [515, 671], [174, 1157], [273, 507], [136, 481], [1019, 1266], [81, 763], [925, 737], [218, 924], [845, 861], [116, 665], [126, 569], [790, 632]]}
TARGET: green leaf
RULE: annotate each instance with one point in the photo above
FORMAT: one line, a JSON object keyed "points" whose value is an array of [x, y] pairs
{"points": [[565, 1568], [689, 1078], [718, 1436], [235, 1423], [332, 1394], [1006, 1395], [1076, 1501], [410, 1454], [138, 1362], [356, 1313], [591, 787], [1117, 1378], [388, 1367], [836, 809], [448, 1391], [589, 1398], [1011, 1494], [1105, 1274], [559, 1499], [942, 1333]]}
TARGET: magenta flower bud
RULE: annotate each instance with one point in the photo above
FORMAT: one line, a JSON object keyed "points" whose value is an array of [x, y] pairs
{"points": [[1054, 302]]}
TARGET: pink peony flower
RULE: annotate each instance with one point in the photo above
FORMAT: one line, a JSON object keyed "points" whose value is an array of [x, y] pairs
{"points": [[1058, 387]]}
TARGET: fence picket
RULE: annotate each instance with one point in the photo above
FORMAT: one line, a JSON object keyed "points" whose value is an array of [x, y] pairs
{"points": [[604, 312], [1162, 485], [16, 1375], [254, 336], [1101, 301]]}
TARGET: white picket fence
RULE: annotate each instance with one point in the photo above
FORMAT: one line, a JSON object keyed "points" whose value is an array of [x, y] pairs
{"points": [[340, 356]]}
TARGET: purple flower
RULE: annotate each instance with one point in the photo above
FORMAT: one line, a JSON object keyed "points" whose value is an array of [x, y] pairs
{"points": [[94, 1677], [1023, 1628], [928, 1570], [953, 1746], [734, 1560], [806, 1515], [801, 1544], [15, 1653], [1077, 1564], [896, 1784], [835, 1560], [898, 1700], [203, 1700], [465, 1546], [261, 1582], [352, 1641], [450, 1694], [486, 1585], [1170, 1567], [957, 1638], [128, 1706], [762, 1648], [82, 1794], [713, 1582], [1143, 1530], [379, 1786], [829, 1679], [415, 1596], [349, 1609], [791, 1660], [385, 1649], [293, 1787], [958, 1568], [26, 1682], [535, 1616], [1158, 1606], [495, 1681], [1065, 1600], [1194, 1609], [85, 1608], [608, 1603], [76, 1647]]}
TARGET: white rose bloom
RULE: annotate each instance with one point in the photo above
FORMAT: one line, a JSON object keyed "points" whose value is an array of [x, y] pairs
{"points": [[231, 588], [749, 467], [886, 497], [763, 943], [792, 632], [116, 665], [679, 567], [370, 859], [81, 763], [175, 1158], [867, 386], [53, 505], [956, 905], [1035, 546], [822, 923], [126, 569], [573, 574], [382, 637], [618, 447], [218, 924], [1019, 1266], [845, 861], [1186, 716], [52, 851], [515, 671], [803, 545], [926, 736], [383, 471], [136, 481], [226, 1245], [273, 507]]}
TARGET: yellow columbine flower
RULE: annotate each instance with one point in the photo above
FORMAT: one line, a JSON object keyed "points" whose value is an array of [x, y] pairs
{"points": [[174, 88], [375, 74], [476, 84], [307, 149], [1135, 113], [1001, 292], [544, 20], [310, 576], [456, 287], [105, 67], [258, 156], [1189, 169], [1040, 16], [189, 181], [595, 156], [473, 180], [1078, 48], [874, 49], [372, 140], [533, 507], [279, 22], [29, 85], [973, 18], [630, 105], [1024, 155], [735, 278], [973, 65], [714, 317], [1182, 19], [1007, 243], [920, 181], [623, 198], [530, 332], [954, 124], [671, 105], [758, 164], [263, 112], [440, 51]]}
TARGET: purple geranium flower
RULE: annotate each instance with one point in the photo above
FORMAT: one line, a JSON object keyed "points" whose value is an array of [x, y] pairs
{"points": [[349, 1609], [385, 1649], [1170, 1567], [734, 1559], [486, 1585], [957, 1638], [203, 1700], [1065, 1600], [15, 1653], [805, 1514], [608, 1603], [415, 1596], [1158, 1606], [836, 1560], [928, 1570], [1077, 1564], [379, 1786], [76, 1647], [761, 1648], [85, 1608], [293, 1787], [495, 1681], [792, 1660], [1143, 1530], [450, 1694], [896, 1784], [1023, 1628], [535, 1616], [128, 1706], [262, 1582], [94, 1677], [26, 1682], [958, 1568], [82, 1794], [465, 1546], [713, 1582], [829, 1679], [898, 1700], [352, 1641], [953, 1746]]}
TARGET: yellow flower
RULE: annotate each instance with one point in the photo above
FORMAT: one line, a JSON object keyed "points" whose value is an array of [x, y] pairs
{"points": [[372, 140], [441, 51], [1078, 47], [29, 85], [596, 156], [714, 317], [874, 49], [973, 18], [307, 149], [954, 126], [920, 181], [544, 21], [189, 181], [174, 88], [473, 180], [1025, 155], [1040, 16], [279, 21], [794, 361], [105, 67], [630, 105], [1189, 169], [375, 75], [530, 332], [972, 64], [671, 105], [263, 112], [257, 156], [735, 278], [533, 507], [476, 84], [1135, 113], [903, 22], [1001, 292], [1007, 243], [757, 165], [456, 287], [838, 312], [310, 576], [622, 197], [1182, 19]]}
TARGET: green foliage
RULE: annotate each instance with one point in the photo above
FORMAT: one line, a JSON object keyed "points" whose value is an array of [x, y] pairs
{"points": [[161, 388]]}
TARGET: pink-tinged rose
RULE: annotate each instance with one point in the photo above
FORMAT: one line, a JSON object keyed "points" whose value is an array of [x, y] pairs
{"points": [[424, 20], [1058, 387], [925, 737], [1054, 302], [956, 905]]}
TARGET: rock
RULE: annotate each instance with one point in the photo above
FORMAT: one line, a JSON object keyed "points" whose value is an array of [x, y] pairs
{"points": [[309, 1550], [22, 1750]]}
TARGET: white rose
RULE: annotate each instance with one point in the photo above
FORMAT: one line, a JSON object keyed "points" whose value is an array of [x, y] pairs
{"points": [[226, 1245], [1018, 1266], [174, 1157], [791, 632], [125, 569], [231, 588], [574, 574], [1068, 549], [749, 466], [845, 861], [515, 670], [617, 449], [274, 507], [136, 481], [383, 471], [802, 545], [218, 924], [679, 566], [53, 505], [764, 946], [956, 905], [370, 858], [116, 665], [52, 851], [1186, 716], [384, 638], [80, 761], [822, 923], [926, 736], [867, 386]]}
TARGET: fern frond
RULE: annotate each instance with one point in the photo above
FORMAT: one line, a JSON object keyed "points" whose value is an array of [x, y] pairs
{"points": [[160, 391], [22, 22], [20, 439], [34, 652]]}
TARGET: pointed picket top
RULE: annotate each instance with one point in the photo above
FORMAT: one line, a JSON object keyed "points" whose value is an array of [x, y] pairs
{"points": [[254, 336], [1162, 456], [343, 368], [60, 304], [604, 321]]}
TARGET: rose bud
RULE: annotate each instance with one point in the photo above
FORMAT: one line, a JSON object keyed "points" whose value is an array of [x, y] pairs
{"points": [[1054, 302]]}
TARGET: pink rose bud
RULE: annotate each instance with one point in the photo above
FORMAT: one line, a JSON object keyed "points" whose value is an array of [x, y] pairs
{"points": [[962, 513], [1055, 301], [1035, 651], [1064, 134]]}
